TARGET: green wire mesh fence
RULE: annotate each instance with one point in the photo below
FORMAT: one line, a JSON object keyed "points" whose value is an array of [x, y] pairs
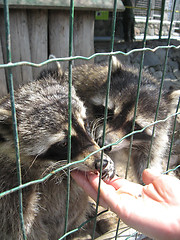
{"points": [[9, 65]]}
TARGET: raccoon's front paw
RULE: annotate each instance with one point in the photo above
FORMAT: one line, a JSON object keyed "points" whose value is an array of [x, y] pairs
{"points": [[108, 169]]}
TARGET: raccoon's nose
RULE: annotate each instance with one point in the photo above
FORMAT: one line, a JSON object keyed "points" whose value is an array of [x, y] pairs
{"points": [[98, 164]]}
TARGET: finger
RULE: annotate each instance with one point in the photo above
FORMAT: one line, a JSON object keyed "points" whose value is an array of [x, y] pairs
{"points": [[94, 180], [149, 176], [124, 186], [81, 179], [107, 192], [149, 191], [114, 198], [117, 182]]}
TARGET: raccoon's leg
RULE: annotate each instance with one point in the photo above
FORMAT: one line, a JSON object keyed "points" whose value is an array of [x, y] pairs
{"points": [[158, 159], [140, 160], [140, 163]]}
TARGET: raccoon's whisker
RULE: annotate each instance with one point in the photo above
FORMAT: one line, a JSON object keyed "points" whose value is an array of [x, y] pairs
{"points": [[95, 125], [71, 169], [92, 127], [74, 168], [96, 121], [54, 165], [63, 174], [32, 163], [59, 177]]}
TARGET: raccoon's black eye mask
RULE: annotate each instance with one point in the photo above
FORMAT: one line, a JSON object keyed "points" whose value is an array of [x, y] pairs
{"points": [[59, 150], [139, 136], [99, 110]]}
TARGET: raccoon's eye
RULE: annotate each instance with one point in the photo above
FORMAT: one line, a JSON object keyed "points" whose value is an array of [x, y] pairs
{"points": [[62, 144]]}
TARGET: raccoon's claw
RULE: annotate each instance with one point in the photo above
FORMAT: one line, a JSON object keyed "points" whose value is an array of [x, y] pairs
{"points": [[98, 164], [107, 175], [108, 169]]}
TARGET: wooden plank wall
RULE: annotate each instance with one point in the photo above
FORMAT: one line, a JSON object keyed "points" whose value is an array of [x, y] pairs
{"points": [[35, 34]]}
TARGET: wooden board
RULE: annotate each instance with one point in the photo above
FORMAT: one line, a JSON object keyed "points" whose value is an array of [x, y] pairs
{"points": [[35, 34], [59, 34], [79, 4], [38, 37], [83, 35], [20, 46]]}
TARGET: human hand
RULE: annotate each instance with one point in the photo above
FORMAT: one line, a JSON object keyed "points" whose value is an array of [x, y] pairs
{"points": [[153, 209]]}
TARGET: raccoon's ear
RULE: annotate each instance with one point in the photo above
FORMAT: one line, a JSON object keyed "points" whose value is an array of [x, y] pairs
{"points": [[55, 65], [116, 64], [5, 116]]}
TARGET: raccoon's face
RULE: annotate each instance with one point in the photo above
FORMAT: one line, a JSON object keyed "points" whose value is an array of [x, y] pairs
{"points": [[122, 99], [42, 116], [119, 124]]}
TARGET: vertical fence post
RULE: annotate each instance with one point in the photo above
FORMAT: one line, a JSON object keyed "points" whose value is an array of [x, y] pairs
{"points": [[14, 119], [162, 18], [71, 21], [106, 104]]}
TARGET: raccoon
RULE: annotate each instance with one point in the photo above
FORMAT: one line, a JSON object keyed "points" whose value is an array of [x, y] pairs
{"points": [[42, 118], [90, 82]]}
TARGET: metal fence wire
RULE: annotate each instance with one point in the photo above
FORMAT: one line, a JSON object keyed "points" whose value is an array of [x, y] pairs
{"points": [[9, 65]]}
